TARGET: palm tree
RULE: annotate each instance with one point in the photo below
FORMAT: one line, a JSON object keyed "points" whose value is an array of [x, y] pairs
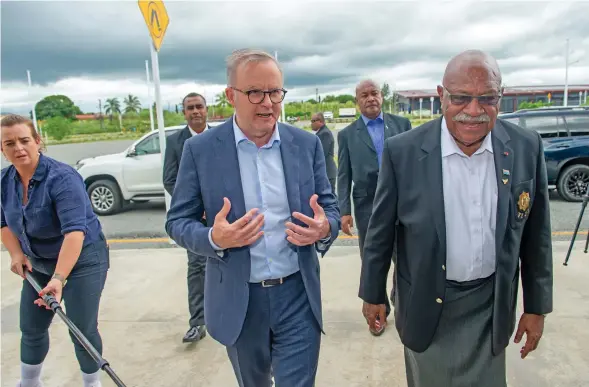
{"points": [[221, 99], [132, 104], [112, 106]]}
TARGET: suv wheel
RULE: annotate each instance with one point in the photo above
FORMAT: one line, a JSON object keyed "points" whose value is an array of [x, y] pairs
{"points": [[573, 182], [105, 197]]}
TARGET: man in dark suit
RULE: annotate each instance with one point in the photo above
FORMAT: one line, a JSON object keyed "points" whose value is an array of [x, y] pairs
{"points": [[465, 197], [327, 141], [270, 211], [194, 108], [359, 155]]}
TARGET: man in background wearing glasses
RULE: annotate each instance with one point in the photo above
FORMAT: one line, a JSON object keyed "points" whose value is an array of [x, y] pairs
{"points": [[466, 198], [270, 211]]}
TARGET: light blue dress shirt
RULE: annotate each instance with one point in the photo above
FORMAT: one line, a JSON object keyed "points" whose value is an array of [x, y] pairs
{"points": [[376, 131], [264, 187]]}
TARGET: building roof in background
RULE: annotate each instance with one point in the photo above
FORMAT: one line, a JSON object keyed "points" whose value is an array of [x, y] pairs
{"points": [[513, 90]]}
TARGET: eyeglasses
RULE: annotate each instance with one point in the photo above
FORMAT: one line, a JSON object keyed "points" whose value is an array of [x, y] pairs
{"points": [[257, 96], [463, 99]]}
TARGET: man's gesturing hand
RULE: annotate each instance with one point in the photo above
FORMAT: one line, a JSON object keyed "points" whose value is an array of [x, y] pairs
{"points": [[243, 232], [318, 226]]}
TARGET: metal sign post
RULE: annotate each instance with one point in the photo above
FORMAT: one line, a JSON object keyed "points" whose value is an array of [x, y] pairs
{"points": [[149, 98], [157, 20]]}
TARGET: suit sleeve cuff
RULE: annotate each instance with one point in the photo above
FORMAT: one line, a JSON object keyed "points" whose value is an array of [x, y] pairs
{"points": [[220, 252]]}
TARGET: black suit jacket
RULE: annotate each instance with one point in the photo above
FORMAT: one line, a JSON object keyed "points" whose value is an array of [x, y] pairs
{"points": [[409, 194], [328, 143], [358, 163], [174, 147]]}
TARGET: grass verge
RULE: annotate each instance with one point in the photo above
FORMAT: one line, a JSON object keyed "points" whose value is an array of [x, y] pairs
{"points": [[114, 136], [111, 136]]}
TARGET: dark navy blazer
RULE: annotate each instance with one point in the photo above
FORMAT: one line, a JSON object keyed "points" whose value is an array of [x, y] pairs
{"points": [[209, 171]]}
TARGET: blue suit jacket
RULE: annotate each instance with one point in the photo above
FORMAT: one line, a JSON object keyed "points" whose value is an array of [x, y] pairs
{"points": [[209, 171]]}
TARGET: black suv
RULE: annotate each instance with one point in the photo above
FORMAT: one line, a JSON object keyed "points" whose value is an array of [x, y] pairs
{"points": [[565, 131]]}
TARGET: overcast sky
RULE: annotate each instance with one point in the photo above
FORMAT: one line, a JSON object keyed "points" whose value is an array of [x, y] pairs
{"points": [[90, 50]]}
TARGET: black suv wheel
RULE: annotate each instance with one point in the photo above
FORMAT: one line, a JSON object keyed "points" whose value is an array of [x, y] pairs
{"points": [[105, 197], [573, 182]]}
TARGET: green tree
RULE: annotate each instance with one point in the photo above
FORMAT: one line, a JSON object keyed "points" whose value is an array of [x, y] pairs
{"points": [[385, 91], [344, 99], [221, 100], [132, 104], [533, 105], [58, 127], [112, 106], [56, 106]]}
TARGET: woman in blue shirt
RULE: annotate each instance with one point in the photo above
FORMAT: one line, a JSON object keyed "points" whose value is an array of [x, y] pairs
{"points": [[50, 230]]}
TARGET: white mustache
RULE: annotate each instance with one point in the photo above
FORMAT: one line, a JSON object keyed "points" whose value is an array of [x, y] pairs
{"points": [[465, 118]]}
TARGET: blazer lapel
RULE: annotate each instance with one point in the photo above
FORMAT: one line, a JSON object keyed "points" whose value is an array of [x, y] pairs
{"points": [[503, 156], [289, 150], [227, 165], [184, 135], [389, 124], [364, 135], [432, 170]]}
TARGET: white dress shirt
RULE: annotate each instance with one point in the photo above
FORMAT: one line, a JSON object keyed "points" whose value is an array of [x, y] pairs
{"points": [[470, 206], [194, 133]]}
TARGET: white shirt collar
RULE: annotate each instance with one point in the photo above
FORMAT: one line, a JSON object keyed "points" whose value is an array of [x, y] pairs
{"points": [[449, 146], [194, 133]]}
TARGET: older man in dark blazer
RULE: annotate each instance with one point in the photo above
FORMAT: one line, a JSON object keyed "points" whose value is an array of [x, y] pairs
{"points": [[465, 197], [359, 155], [194, 107], [328, 142]]}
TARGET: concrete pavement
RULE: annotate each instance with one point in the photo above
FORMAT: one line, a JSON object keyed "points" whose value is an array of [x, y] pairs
{"points": [[144, 316]]}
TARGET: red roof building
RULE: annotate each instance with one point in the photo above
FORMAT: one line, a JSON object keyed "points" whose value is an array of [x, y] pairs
{"points": [[409, 100]]}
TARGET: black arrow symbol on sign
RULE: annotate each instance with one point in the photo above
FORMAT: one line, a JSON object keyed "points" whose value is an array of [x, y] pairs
{"points": [[157, 20]]}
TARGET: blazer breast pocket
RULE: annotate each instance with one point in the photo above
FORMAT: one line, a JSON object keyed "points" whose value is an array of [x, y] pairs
{"points": [[521, 202]]}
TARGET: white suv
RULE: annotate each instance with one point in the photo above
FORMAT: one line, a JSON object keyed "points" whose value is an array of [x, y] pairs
{"points": [[135, 174]]}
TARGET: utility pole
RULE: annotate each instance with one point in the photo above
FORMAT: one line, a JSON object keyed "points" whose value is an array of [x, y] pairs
{"points": [[566, 75], [100, 116]]}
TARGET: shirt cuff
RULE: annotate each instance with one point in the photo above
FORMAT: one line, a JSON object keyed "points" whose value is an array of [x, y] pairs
{"points": [[322, 243], [217, 249]]}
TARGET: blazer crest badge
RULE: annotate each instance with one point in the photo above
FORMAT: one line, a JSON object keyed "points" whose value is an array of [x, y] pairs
{"points": [[523, 204]]}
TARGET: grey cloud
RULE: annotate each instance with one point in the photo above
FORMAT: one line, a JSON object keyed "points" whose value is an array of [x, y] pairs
{"points": [[109, 39]]}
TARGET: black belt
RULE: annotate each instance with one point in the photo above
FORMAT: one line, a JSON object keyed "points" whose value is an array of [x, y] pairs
{"points": [[275, 281]]}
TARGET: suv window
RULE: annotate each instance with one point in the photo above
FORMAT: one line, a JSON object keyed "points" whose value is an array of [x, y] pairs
{"points": [[148, 146], [547, 126], [578, 124], [151, 144]]}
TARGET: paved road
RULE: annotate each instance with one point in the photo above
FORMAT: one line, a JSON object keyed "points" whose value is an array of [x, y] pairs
{"points": [[146, 220], [70, 153]]}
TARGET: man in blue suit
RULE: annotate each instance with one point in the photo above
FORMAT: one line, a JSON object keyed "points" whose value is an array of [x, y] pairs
{"points": [[270, 210]]}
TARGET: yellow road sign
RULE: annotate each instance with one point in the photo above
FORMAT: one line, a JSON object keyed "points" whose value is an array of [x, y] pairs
{"points": [[156, 19]]}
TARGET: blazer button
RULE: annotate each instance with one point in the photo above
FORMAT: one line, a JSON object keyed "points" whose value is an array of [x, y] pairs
{"points": [[439, 300], [443, 267]]}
